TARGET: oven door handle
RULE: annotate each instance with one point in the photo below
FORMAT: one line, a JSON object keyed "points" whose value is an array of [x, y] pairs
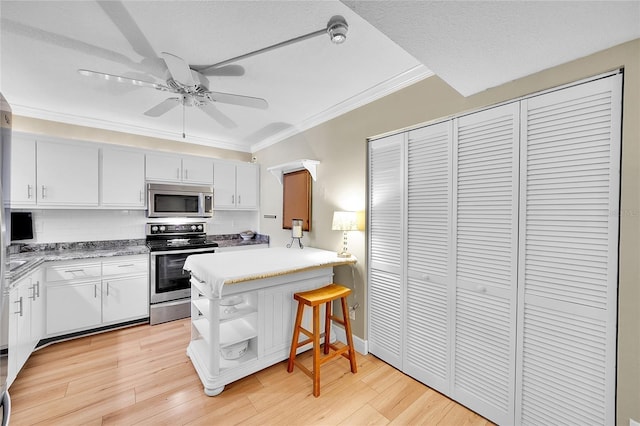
{"points": [[183, 251]]}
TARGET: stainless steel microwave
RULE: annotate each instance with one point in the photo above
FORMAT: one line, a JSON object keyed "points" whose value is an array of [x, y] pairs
{"points": [[167, 200]]}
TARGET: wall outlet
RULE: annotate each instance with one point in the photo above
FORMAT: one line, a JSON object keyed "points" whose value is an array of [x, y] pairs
{"points": [[352, 317]]}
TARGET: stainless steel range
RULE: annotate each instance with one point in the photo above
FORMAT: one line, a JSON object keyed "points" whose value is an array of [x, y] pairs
{"points": [[169, 245]]}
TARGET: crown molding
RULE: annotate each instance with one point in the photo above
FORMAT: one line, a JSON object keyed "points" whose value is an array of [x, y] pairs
{"points": [[400, 81], [124, 128]]}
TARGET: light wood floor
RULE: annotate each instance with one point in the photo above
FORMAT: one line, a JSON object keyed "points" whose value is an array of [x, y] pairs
{"points": [[142, 375]]}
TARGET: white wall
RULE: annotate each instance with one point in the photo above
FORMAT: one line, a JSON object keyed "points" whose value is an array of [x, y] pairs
{"points": [[56, 226]]}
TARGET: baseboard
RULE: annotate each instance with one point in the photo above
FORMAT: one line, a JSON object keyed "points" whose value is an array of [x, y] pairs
{"points": [[360, 344]]}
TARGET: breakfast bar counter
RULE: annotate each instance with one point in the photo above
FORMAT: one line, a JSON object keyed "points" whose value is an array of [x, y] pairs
{"points": [[243, 308]]}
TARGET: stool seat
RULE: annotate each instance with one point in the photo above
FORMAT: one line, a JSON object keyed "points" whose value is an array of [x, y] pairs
{"points": [[314, 299]]}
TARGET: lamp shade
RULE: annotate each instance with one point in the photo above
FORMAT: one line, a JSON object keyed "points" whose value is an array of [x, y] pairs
{"points": [[344, 221]]}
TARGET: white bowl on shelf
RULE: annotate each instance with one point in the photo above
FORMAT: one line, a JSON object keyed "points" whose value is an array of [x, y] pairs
{"points": [[234, 351]]}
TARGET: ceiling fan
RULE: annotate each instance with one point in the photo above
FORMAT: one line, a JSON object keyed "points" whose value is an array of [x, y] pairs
{"points": [[191, 88], [189, 83]]}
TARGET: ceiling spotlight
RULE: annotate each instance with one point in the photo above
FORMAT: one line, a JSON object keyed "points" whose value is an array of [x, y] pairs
{"points": [[337, 29]]}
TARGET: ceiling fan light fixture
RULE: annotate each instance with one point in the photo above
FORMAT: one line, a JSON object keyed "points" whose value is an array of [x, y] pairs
{"points": [[337, 29]]}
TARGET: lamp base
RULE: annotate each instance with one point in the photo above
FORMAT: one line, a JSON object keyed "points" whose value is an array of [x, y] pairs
{"points": [[344, 254]]}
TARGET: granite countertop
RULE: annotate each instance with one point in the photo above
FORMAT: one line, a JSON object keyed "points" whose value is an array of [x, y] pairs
{"points": [[34, 255]]}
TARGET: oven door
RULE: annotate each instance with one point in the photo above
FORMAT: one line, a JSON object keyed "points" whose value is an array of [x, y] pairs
{"points": [[168, 281]]}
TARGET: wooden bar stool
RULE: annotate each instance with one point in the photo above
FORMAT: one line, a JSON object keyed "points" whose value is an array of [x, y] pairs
{"points": [[314, 299]]}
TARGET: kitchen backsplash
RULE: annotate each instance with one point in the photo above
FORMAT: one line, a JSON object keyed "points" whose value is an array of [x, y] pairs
{"points": [[54, 226]]}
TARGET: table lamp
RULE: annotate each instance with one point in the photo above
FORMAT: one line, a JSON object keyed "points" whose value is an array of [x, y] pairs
{"points": [[344, 221]]}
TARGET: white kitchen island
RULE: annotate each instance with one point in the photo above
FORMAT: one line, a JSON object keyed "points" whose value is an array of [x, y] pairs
{"points": [[247, 296]]}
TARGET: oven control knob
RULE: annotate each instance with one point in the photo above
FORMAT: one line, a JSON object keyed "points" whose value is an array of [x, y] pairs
{"points": [[193, 227], [154, 229], [162, 228], [199, 227]]}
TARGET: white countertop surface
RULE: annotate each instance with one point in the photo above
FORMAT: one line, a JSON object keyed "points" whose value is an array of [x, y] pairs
{"points": [[218, 269]]}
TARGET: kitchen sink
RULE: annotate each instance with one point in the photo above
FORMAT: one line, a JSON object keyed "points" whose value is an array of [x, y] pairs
{"points": [[14, 264]]}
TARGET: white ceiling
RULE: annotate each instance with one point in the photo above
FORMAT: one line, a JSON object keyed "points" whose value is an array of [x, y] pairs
{"points": [[471, 45]]}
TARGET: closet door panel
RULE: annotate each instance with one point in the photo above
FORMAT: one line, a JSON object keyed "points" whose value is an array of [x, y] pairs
{"points": [[568, 264], [429, 263], [485, 231], [386, 248]]}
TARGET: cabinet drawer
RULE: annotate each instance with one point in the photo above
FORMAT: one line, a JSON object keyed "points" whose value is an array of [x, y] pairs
{"points": [[73, 271], [126, 266]]}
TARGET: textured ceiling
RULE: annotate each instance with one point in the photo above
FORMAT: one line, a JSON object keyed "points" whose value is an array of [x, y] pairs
{"points": [[390, 44], [475, 45]]}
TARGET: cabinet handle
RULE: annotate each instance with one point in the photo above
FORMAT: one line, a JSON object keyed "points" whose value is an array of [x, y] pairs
{"points": [[44, 191], [178, 173], [107, 289], [19, 302], [33, 295], [239, 199], [72, 271], [128, 265], [186, 174], [29, 188], [233, 199], [38, 288], [95, 291]]}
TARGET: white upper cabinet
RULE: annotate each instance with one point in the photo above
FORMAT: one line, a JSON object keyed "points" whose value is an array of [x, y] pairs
{"points": [[173, 168], [67, 174], [197, 170], [122, 182], [235, 186], [19, 172]]}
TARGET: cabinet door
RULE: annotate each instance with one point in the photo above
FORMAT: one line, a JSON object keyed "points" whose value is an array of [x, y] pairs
{"points": [[125, 298], [568, 275], [67, 174], [486, 155], [224, 185], [429, 262], [122, 178], [14, 319], [197, 170], [246, 186], [19, 171], [36, 298], [72, 307], [386, 242], [166, 168]]}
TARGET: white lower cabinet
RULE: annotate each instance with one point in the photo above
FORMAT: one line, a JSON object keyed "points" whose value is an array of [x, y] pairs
{"points": [[25, 321], [73, 306], [83, 295]]}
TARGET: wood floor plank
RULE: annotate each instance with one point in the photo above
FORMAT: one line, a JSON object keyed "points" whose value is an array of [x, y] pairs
{"points": [[141, 375]]}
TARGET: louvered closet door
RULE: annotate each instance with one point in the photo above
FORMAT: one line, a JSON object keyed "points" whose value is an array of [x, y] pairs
{"points": [[426, 354], [386, 248], [485, 292], [568, 265]]}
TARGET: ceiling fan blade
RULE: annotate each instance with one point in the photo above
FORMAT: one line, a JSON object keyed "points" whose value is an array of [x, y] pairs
{"points": [[179, 69], [224, 71], [121, 79], [120, 16], [163, 107], [230, 98], [214, 113]]}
